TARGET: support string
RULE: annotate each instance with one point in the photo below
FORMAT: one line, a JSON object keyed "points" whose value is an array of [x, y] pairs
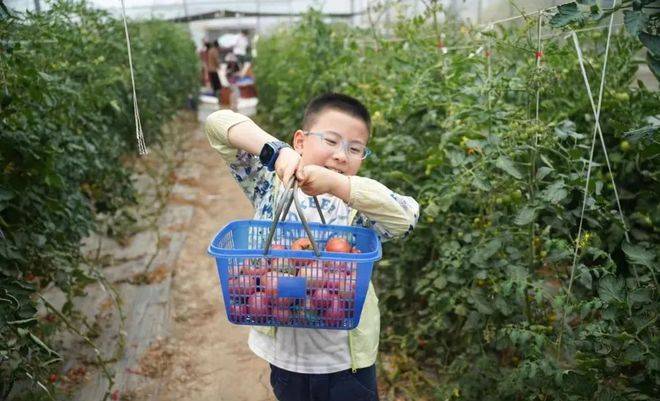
{"points": [[142, 148]]}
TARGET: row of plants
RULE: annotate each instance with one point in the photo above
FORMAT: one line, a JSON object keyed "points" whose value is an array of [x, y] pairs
{"points": [[67, 138], [494, 296]]}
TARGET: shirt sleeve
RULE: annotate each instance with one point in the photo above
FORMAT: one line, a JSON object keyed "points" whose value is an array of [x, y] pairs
{"points": [[254, 178], [391, 215]]}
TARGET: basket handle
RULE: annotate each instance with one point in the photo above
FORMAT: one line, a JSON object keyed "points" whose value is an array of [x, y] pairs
{"points": [[282, 210]]}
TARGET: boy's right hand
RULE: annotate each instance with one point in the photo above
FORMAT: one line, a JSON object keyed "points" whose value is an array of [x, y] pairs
{"points": [[286, 164]]}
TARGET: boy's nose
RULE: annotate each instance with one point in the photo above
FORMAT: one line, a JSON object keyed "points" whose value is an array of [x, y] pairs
{"points": [[340, 154]]}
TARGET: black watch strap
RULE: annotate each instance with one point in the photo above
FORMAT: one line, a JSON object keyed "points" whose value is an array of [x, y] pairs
{"points": [[270, 152]]}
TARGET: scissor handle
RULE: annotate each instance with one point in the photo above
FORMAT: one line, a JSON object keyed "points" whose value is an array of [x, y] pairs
{"points": [[282, 210]]}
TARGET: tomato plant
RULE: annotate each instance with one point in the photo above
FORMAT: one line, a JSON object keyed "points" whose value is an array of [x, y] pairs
{"points": [[493, 296], [66, 134]]}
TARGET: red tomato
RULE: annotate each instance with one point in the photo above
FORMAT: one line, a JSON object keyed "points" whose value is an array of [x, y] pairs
{"points": [[309, 303], [277, 263], [321, 298], [236, 310], [258, 305], [338, 244], [269, 282], [335, 266], [333, 279], [242, 285], [346, 287], [302, 244], [236, 269], [313, 275], [282, 315], [334, 315], [258, 267]]}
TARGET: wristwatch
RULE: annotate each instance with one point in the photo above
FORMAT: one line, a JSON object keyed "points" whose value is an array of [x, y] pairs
{"points": [[269, 153]]}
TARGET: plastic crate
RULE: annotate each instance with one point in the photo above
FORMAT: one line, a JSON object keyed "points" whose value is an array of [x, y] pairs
{"points": [[287, 288]]}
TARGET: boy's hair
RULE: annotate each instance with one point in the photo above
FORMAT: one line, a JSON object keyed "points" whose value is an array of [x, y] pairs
{"points": [[339, 102]]}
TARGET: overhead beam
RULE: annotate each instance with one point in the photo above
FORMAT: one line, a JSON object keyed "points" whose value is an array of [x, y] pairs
{"points": [[233, 14]]}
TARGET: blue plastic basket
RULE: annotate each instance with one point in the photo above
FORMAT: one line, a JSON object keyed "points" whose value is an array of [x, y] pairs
{"points": [[287, 288]]}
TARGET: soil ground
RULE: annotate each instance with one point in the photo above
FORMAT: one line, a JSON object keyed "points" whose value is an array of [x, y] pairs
{"points": [[210, 357]]}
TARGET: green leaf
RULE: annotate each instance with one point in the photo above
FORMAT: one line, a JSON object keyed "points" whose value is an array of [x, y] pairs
{"points": [[555, 193], [506, 164], [566, 14], [566, 129], [576, 383], [525, 216], [610, 289], [517, 273], [635, 21], [547, 162], [481, 303], [633, 353], [543, 172], [640, 295], [47, 77], [5, 195], [653, 62], [489, 249], [642, 133], [638, 255], [651, 42], [584, 276], [115, 105], [480, 184], [42, 344], [23, 321], [440, 282], [4, 8]]}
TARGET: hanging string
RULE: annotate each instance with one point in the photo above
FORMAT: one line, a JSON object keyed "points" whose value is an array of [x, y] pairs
{"points": [[594, 28], [489, 77], [596, 110], [534, 151], [597, 115], [538, 54], [598, 130], [142, 148]]}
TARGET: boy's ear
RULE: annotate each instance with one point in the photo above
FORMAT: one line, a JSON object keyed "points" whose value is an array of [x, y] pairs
{"points": [[298, 140]]}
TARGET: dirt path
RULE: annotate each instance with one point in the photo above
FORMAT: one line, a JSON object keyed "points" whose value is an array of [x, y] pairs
{"points": [[210, 359], [157, 316]]}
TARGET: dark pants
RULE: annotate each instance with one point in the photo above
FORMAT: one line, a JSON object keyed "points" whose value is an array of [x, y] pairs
{"points": [[339, 386], [215, 81]]}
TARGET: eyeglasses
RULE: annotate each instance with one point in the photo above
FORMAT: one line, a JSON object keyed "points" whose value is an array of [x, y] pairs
{"points": [[354, 150]]}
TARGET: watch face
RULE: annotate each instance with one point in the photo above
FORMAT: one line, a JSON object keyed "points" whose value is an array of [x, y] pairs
{"points": [[266, 153]]}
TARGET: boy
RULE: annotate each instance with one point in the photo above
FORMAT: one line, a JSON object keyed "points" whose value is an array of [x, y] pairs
{"points": [[309, 364]]}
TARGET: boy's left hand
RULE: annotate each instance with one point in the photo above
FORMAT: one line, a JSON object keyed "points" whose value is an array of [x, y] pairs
{"points": [[316, 180]]}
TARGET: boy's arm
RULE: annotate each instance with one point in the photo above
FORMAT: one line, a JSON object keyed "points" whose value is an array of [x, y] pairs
{"points": [[228, 132], [237, 139], [390, 214]]}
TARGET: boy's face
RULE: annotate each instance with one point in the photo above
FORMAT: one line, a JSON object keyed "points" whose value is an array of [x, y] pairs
{"points": [[314, 150]]}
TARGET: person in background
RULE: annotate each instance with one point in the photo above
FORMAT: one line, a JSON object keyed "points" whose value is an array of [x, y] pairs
{"points": [[213, 65], [203, 54], [228, 75], [241, 46], [229, 69]]}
